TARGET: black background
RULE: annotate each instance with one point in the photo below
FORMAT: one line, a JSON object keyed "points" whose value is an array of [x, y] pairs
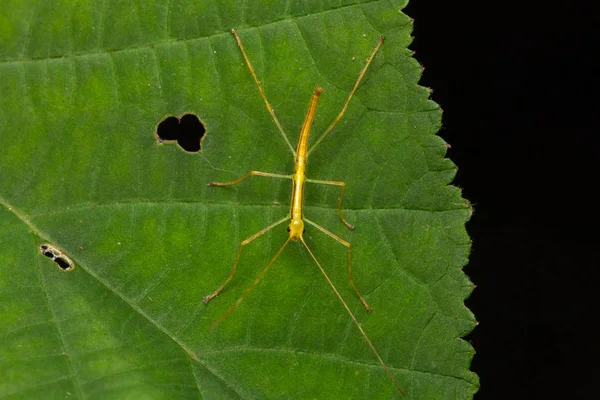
{"points": [[519, 86]]}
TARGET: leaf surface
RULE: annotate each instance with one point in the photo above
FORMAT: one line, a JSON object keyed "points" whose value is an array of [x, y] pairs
{"points": [[82, 89]]}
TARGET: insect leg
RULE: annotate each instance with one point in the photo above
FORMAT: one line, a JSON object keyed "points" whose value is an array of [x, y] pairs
{"points": [[249, 288], [262, 93], [341, 114], [342, 241], [339, 209], [214, 294], [385, 367], [249, 174]]}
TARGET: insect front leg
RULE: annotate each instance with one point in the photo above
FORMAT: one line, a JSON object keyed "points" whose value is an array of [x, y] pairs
{"points": [[214, 294], [343, 242]]}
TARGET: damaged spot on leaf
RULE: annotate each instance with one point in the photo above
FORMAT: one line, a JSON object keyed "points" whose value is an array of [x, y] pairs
{"points": [[63, 262], [187, 130]]}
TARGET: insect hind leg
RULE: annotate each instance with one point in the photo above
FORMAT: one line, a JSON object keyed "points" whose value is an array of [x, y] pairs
{"points": [[262, 93], [341, 114]]}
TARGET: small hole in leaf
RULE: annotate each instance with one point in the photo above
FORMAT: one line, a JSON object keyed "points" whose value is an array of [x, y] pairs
{"points": [[46, 251], [63, 262], [187, 130]]}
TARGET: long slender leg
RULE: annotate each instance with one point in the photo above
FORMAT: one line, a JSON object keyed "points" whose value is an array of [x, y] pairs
{"points": [[249, 288], [211, 296], [341, 114], [262, 93], [249, 174], [339, 209], [387, 371], [342, 241]]}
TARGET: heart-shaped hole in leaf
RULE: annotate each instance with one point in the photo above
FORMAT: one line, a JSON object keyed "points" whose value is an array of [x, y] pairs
{"points": [[187, 130]]}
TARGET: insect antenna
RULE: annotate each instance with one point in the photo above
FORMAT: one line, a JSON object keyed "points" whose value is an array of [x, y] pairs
{"points": [[249, 288], [385, 367]]}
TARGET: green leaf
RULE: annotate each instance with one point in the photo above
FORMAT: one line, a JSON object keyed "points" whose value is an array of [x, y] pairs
{"points": [[83, 86]]}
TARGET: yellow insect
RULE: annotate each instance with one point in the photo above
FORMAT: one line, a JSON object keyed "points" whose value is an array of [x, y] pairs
{"points": [[296, 217]]}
